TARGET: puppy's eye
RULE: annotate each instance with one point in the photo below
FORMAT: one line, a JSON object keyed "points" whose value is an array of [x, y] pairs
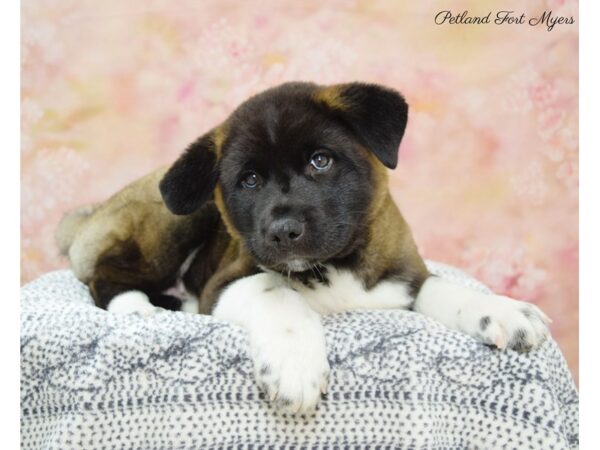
{"points": [[321, 161], [251, 180]]}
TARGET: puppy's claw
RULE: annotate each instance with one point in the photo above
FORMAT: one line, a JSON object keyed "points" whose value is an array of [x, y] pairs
{"points": [[496, 335], [500, 342], [324, 386], [273, 395]]}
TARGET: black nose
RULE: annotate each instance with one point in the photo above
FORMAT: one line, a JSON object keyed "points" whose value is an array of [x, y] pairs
{"points": [[285, 231]]}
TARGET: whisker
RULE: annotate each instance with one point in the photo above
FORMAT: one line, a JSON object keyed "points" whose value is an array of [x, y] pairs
{"points": [[317, 269]]}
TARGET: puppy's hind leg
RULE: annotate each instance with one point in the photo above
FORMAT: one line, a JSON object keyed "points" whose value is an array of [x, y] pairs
{"points": [[123, 282], [119, 298]]}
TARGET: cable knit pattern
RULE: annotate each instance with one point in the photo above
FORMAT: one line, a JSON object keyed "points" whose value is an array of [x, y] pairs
{"points": [[94, 380]]}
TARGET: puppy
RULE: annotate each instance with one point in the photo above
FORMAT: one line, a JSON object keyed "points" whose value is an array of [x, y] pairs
{"points": [[273, 218]]}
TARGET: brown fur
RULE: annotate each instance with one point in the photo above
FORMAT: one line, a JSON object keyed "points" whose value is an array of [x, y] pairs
{"points": [[332, 97], [234, 265], [224, 214], [389, 250]]}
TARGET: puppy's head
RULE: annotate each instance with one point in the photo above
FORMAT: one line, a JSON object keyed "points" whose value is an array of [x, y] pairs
{"points": [[296, 170]]}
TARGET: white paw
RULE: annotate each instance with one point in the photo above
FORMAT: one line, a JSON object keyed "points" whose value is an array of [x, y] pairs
{"points": [[286, 337], [504, 322], [132, 302], [292, 370]]}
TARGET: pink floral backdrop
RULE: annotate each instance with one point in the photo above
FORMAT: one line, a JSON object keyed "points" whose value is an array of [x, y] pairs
{"points": [[488, 173]]}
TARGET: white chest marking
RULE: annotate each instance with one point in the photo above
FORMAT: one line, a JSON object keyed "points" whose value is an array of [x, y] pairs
{"points": [[345, 292]]}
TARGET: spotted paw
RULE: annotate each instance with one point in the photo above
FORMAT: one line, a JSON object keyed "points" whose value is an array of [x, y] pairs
{"points": [[292, 370], [506, 323]]}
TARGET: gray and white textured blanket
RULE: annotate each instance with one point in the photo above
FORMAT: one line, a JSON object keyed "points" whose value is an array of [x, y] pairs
{"points": [[94, 380]]}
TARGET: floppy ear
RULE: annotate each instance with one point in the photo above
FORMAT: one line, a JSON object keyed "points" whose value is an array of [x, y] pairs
{"points": [[191, 180], [377, 115]]}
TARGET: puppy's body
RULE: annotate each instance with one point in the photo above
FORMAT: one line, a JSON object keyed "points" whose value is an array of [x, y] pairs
{"points": [[278, 215], [134, 242]]}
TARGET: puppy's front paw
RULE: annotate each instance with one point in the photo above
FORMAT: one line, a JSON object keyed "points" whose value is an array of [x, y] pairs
{"points": [[506, 323], [292, 370], [287, 340]]}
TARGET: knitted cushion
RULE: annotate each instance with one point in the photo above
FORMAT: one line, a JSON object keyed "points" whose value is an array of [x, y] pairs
{"points": [[91, 379]]}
